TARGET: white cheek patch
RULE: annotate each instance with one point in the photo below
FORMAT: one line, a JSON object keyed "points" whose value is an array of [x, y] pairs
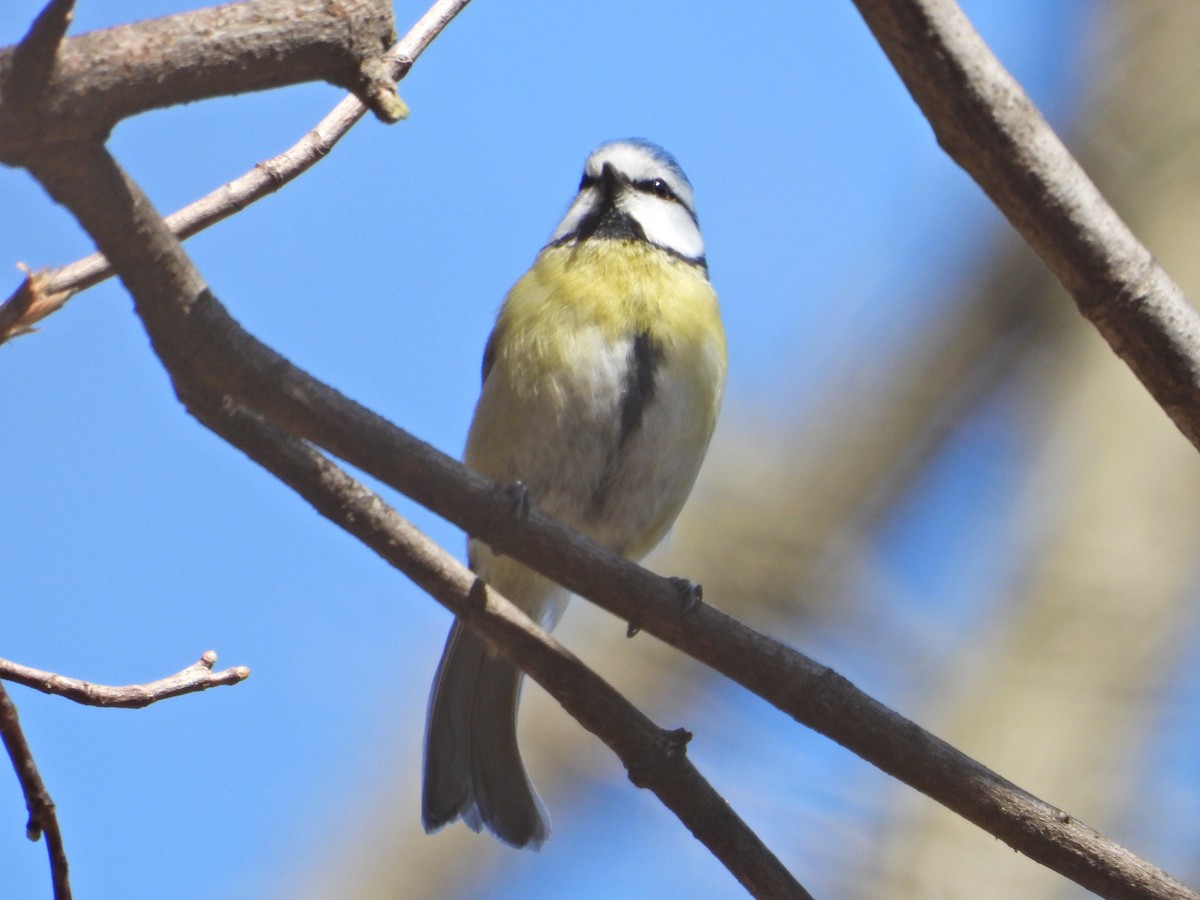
{"points": [[665, 223]]}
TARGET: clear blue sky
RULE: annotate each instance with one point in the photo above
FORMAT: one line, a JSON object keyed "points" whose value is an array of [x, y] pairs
{"points": [[131, 539]]}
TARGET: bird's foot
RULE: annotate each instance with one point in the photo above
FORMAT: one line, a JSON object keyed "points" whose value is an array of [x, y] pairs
{"points": [[691, 593]]}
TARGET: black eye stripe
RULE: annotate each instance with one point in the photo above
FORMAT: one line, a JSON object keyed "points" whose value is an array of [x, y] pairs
{"points": [[656, 186]]}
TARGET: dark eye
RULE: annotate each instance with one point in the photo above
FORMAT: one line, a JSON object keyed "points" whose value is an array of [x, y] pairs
{"points": [[657, 187], [587, 181]]}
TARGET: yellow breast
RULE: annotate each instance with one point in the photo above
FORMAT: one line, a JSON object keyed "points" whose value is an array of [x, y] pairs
{"points": [[616, 288]]}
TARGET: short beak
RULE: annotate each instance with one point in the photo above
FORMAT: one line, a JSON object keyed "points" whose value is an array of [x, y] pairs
{"points": [[606, 217], [610, 183]]}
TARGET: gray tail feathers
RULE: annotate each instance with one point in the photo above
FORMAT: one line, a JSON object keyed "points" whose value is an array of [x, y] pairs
{"points": [[473, 767]]}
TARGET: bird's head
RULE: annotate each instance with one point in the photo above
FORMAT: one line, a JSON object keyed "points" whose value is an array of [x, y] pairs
{"points": [[634, 190]]}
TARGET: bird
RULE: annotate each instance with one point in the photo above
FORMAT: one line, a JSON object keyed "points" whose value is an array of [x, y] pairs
{"points": [[602, 382]]}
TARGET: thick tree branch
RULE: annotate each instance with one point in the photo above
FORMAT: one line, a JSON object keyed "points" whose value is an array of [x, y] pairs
{"points": [[986, 123], [46, 291], [199, 676], [43, 820], [654, 758], [99, 78]]}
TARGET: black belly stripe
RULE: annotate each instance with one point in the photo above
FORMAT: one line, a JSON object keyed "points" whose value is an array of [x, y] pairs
{"points": [[645, 356], [639, 385]]}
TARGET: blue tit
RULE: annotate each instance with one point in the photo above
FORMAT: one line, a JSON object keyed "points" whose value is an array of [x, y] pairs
{"points": [[602, 381]]}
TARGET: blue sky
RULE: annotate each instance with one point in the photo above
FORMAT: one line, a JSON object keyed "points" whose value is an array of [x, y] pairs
{"points": [[131, 539]]}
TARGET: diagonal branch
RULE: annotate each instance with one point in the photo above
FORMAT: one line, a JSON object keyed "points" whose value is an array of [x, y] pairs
{"points": [[199, 676], [986, 123], [654, 758], [46, 291], [43, 820]]}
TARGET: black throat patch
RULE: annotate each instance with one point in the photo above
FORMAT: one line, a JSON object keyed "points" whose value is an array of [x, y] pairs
{"points": [[609, 221]]}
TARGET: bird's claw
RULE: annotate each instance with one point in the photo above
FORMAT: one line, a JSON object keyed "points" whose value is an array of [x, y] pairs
{"points": [[691, 594], [518, 496]]}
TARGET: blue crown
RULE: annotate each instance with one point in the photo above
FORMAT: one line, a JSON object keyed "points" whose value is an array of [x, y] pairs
{"points": [[660, 155]]}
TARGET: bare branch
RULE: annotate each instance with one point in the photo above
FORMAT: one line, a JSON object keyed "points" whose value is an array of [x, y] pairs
{"points": [[654, 758], [99, 78], [33, 301], [43, 820], [33, 58], [987, 124], [46, 291], [199, 676]]}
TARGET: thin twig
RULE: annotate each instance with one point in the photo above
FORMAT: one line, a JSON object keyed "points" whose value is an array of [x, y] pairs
{"points": [[199, 676], [47, 290], [43, 820]]}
